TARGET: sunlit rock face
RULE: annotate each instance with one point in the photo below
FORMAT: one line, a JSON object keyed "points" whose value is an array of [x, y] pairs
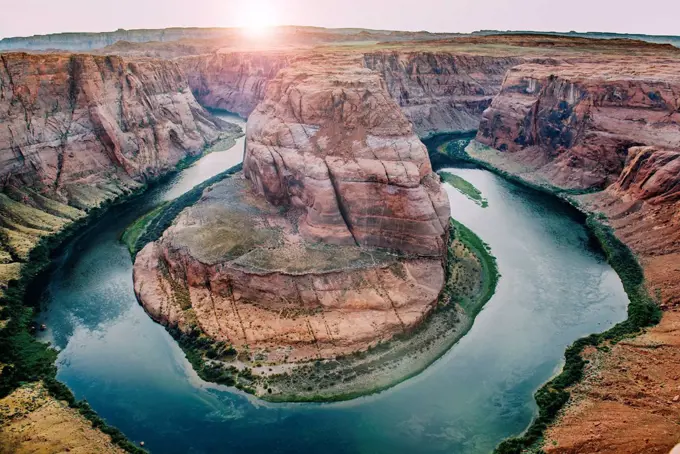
{"points": [[333, 143], [332, 240], [83, 128]]}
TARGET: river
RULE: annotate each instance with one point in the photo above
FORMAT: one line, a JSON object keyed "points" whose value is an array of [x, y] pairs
{"points": [[554, 289]]}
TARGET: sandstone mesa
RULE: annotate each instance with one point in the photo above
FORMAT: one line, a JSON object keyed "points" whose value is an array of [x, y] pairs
{"points": [[350, 227]]}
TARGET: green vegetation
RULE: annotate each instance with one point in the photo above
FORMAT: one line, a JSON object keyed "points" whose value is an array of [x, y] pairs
{"points": [[489, 268], [642, 309], [465, 187], [444, 149], [25, 359], [207, 358], [139, 227], [151, 226]]}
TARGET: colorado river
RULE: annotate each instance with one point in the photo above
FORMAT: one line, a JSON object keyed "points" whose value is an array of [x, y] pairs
{"points": [[554, 289]]}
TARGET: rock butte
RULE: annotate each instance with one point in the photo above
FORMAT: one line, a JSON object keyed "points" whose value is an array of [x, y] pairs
{"points": [[337, 240]]}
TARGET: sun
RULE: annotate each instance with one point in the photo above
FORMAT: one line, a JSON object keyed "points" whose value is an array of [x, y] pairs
{"points": [[257, 17]]}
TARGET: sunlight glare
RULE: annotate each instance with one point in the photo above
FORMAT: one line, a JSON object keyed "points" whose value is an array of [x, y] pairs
{"points": [[257, 17]]}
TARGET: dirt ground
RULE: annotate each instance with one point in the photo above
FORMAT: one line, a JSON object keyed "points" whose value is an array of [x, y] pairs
{"points": [[31, 421], [630, 400]]}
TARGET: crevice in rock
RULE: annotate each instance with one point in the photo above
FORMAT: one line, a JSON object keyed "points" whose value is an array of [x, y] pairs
{"points": [[232, 299], [214, 309], [380, 290], [341, 207], [315, 340]]}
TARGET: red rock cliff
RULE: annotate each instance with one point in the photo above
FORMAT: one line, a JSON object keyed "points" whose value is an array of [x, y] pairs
{"points": [[574, 123], [77, 125], [331, 141], [79, 130], [438, 92], [232, 81], [441, 91]]}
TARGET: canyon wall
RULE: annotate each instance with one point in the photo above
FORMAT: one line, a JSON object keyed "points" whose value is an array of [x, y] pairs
{"points": [[80, 130], [612, 126], [75, 123], [643, 206], [572, 124], [334, 242], [232, 81], [441, 91], [438, 92]]}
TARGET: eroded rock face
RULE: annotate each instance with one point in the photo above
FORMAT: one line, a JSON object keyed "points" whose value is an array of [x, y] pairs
{"points": [[80, 130], [612, 125], [234, 81], [643, 205], [332, 143], [438, 92], [441, 91], [83, 128], [335, 241], [650, 174], [574, 123]]}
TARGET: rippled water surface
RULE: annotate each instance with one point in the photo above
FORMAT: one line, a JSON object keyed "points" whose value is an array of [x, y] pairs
{"points": [[554, 289]]}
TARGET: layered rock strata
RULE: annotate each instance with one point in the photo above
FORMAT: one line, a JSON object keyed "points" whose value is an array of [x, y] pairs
{"points": [[76, 121], [334, 242], [643, 205], [572, 124], [80, 130], [333, 144], [438, 92], [441, 91], [234, 81]]}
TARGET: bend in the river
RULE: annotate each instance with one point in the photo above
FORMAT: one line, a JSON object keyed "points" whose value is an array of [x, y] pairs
{"points": [[554, 289]]}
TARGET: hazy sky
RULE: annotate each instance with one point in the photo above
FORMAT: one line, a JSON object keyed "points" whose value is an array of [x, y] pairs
{"points": [[27, 17]]}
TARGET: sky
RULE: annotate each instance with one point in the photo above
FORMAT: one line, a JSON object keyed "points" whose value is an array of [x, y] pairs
{"points": [[28, 17]]}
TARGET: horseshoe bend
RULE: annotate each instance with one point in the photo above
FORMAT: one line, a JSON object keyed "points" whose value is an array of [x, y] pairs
{"points": [[488, 220], [332, 240]]}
